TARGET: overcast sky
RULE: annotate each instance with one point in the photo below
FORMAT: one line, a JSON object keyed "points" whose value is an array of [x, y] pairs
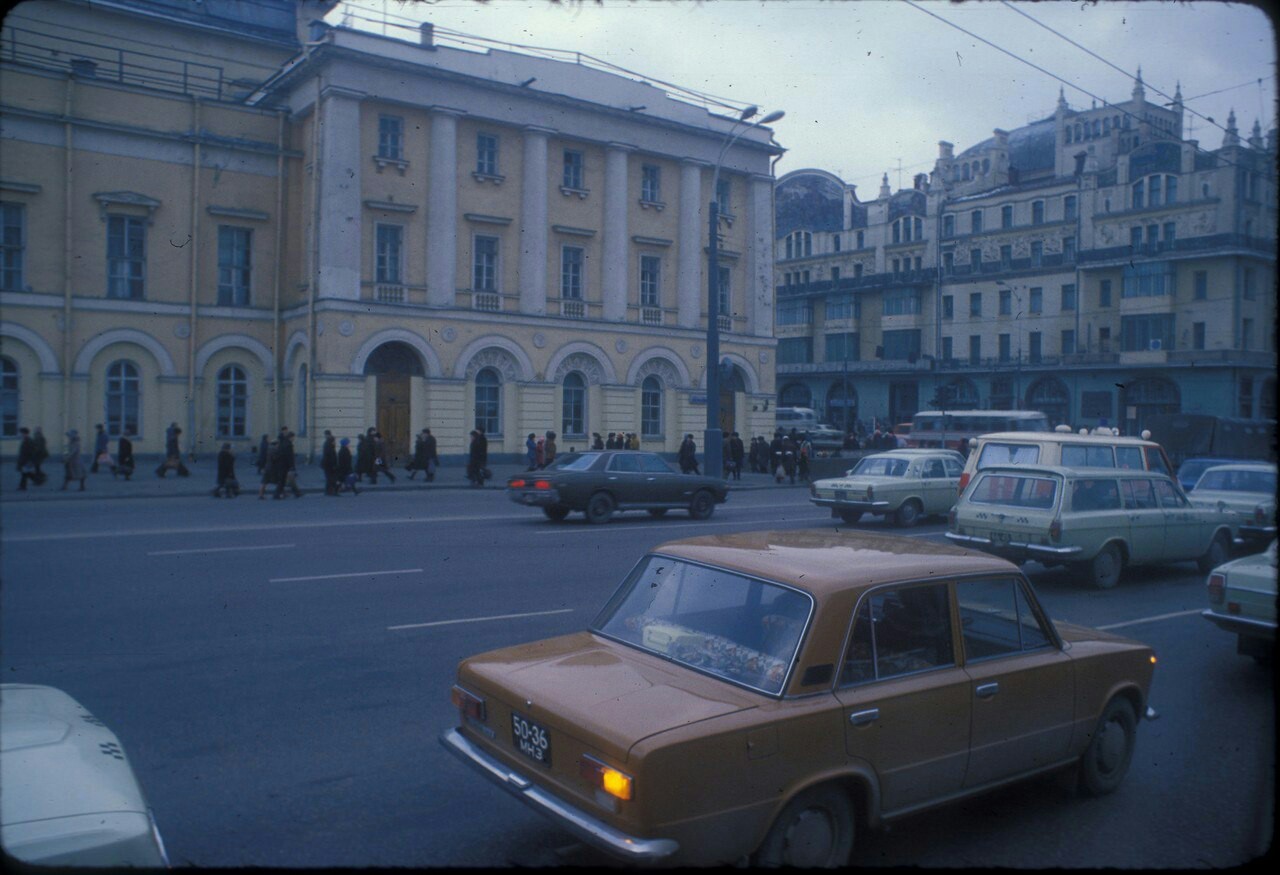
{"points": [[867, 84]]}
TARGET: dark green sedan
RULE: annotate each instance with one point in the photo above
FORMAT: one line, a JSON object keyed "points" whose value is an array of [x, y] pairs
{"points": [[602, 484]]}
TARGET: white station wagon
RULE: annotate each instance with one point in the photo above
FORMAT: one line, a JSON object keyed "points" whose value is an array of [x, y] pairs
{"points": [[1095, 519], [903, 484]]}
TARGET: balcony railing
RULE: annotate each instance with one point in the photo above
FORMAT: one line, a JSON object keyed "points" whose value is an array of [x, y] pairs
{"points": [[725, 323], [1175, 247], [388, 293], [851, 284], [490, 302], [651, 315], [572, 309]]}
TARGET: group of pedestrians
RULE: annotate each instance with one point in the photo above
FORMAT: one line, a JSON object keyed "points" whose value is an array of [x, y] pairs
{"points": [[539, 452], [33, 451]]}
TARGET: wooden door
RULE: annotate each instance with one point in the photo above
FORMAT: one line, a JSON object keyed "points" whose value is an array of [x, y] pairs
{"points": [[393, 415]]}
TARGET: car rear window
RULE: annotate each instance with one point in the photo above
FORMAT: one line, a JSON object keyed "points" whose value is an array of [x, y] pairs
{"points": [[1008, 454], [1015, 490], [1086, 456], [881, 466], [739, 628]]}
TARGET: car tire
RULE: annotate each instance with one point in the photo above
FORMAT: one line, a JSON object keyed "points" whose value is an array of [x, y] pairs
{"points": [[1106, 759], [599, 508], [1104, 570], [909, 514], [657, 512], [556, 512], [849, 517], [1219, 551], [814, 830], [703, 505]]}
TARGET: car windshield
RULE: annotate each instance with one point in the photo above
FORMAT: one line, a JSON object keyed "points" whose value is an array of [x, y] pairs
{"points": [[715, 621], [1229, 480], [1015, 490], [881, 466], [580, 462]]}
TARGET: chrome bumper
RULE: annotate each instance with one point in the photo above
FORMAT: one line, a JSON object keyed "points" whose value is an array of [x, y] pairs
{"points": [[1257, 532], [1241, 625], [848, 504], [534, 498], [1013, 546], [591, 830]]}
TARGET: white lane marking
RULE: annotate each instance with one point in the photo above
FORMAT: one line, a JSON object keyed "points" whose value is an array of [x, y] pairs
{"points": [[218, 549], [677, 523], [1149, 619], [336, 576], [480, 619]]}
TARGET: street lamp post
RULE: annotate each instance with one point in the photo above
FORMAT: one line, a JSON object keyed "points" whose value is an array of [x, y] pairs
{"points": [[713, 439]]}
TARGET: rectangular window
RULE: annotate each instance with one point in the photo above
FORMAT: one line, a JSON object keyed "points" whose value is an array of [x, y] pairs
{"points": [[572, 169], [795, 350], [571, 258], [1068, 249], [389, 255], [1153, 191], [1170, 232], [997, 619], [948, 262], [840, 308], [975, 304], [903, 302], [947, 349], [835, 275], [651, 183], [861, 239], [907, 636], [975, 259], [1244, 395], [902, 344], [948, 225], [1003, 344], [1034, 342], [975, 349], [391, 137], [1154, 279], [1069, 208], [651, 408], [724, 189], [1151, 331], [948, 307], [1247, 290], [1037, 253], [650, 281], [13, 245], [1068, 297], [484, 270], [1104, 339], [487, 156], [1135, 238], [126, 256], [1197, 335], [1006, 217], [975, 222], [857, 270], [1246, 333], [1104, 293], [1037, 300], [1006, 256], [233, 397], [1037, 212], [795, 313], [1068, 341], [235, 247], [1202, 285], [842, 347], [1139, 201], [897, 266], [835, 242], [724, 290], [1006, 302], [1171, 189]]}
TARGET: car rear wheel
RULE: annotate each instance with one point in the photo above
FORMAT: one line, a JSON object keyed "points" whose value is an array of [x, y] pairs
{"points": [[702, 505], [909, 514], [556, 512], [850, 516], [599, 508], [1104, 570], [656, 512], [1218, 552], [815, 830], [1106, 759]]}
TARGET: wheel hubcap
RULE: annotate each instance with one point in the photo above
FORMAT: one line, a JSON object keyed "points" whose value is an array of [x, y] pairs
{"points": [[810, 839]]}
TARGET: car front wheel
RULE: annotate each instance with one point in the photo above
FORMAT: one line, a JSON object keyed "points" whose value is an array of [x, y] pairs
{"points": [[815, 830], [1106, 759], [702, 505], [599, 508], [1104, 570], [909, 514], [1217, 553]]}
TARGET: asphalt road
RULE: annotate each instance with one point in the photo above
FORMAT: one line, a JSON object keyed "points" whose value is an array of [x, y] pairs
{"points": [[279, 673]]}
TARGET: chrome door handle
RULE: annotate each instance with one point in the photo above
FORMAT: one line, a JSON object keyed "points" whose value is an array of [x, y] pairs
{"points": [[611, 478], [986, 691], [862, 718]]}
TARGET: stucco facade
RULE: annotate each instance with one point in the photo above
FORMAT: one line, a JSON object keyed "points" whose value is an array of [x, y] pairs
{"points": [[356, 230]]}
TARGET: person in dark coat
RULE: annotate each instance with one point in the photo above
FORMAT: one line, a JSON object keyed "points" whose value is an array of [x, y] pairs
{"points": [[477, 457], [597, 442], [329, 463], [775, 456], [789, 453], [124, 456], [101, 445], [419, 460], [172, 453], [264, 447], [688, 456], [549, 450], [737, 452], [346, 468], [73, 465], [286, 470], [269, 469], [380, 457], [41, 451], [26, 459], [433, 454], [531, 450], [364, 456], [227, 483]]}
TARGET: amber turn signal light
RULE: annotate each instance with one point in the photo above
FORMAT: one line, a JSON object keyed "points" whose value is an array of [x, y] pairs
{"points": [[606, 778]]}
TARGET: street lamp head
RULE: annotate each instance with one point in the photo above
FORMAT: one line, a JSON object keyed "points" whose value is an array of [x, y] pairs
{"points": [[771, 117], [748, 112]]}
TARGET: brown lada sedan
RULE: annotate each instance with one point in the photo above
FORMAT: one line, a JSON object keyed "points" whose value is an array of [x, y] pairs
{"points": [[764, 696]]}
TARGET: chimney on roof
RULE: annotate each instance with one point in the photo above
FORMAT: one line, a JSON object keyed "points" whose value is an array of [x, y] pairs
{"points": [[921, 182], [427, 35], [946, 150]]}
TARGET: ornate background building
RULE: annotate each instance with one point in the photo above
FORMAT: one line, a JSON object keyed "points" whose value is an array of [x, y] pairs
{"points": [[1093, 264], [234, 216]]}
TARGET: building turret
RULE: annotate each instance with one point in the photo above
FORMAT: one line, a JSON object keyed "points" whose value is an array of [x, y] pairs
{"points": [[884, 187], [1139, 93], [1232, 136], [1255, 136]]}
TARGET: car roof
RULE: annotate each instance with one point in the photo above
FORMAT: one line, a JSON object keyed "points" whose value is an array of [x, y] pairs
{"points": [[915, 451], [826, 561], [1063, 437], [1242, 466], [1075, 471]]}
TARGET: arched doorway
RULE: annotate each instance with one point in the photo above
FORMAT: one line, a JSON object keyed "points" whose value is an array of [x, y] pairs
{"points": [[392, 364], [1049, 395], [842, 406], [1145, 398], [730, 385]]}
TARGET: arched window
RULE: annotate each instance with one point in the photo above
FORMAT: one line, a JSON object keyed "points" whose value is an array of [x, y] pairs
{"points": [[489, 401], [651, 407], [301, 395], [123, 399], [1049, 395], [960, 394], [573, 420], [233, 402], [8, 398], [795, 395], [842, 406]]}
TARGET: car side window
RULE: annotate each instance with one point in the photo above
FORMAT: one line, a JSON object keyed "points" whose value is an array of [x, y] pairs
{"points": [[1155, 460], [625, 463], [1129, 457], [1138, 494], [1085, 456], [1169, 497], [899, 631], [1095, 495], [954, 468], [651, 464], [933, 468], [996, 619]]}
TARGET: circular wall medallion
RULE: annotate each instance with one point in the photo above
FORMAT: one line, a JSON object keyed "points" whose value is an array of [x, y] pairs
{"points": [[764, 357], [695, 351], [345, 327], [448, 334], [620, 345], [539, 340], [182, 330]]}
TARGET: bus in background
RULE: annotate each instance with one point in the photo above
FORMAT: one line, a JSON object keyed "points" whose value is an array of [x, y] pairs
{"points": [[1191, 435], [951, 430]]}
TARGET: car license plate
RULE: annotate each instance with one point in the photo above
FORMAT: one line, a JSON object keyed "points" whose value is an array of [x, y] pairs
{"points": [[841, 495], [531, 739]]}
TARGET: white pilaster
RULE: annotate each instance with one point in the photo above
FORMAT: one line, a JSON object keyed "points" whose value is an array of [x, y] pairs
{"points": [[442, 209], [339, 221], [614, 257], [533, 223], [760, 300], [689, 254]]}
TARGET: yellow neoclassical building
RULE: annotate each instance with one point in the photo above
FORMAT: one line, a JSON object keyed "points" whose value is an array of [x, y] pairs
{"points": [[236, 217]]}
